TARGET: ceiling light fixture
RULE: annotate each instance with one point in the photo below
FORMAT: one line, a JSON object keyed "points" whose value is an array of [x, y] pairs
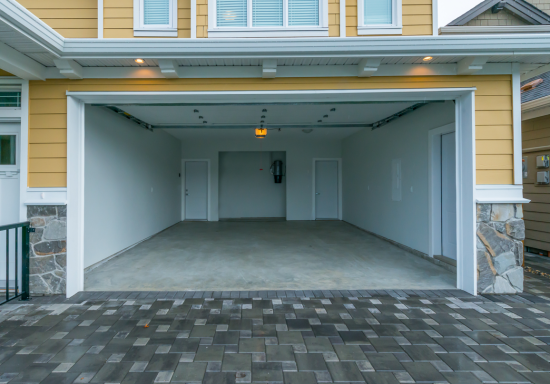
{"points": [[139, 61], [428, 58], [261, 133]]}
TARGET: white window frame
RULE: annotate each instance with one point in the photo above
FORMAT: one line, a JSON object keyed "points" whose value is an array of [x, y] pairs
{"points": [[285, 31], [396, 28], [169, 30]]}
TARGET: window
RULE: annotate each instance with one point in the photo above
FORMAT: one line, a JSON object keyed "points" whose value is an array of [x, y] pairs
{"points": [[7, 149], [268, 18], [155, 18], [379, 17], [10, 99]]}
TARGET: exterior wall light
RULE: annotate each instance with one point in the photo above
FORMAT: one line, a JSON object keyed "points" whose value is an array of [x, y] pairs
{"points": [[139, 61], [261, 133], [428, 58]]}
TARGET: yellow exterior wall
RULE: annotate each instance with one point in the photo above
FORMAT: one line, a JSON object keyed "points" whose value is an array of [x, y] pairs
{"points": [[118, 18], [48, 113], [334, 18], [202, 18], [536, 133], [70, 18], [4, 73], [417, 17]]}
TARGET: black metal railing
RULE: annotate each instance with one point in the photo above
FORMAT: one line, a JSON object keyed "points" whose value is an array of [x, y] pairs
{"points": [[16, 238]]}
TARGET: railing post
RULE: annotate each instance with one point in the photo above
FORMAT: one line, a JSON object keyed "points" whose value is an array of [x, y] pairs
{"points": [[25, 289]]}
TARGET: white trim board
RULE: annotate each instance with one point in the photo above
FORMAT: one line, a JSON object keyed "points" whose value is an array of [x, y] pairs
{"points": [[465, 115], [208, 198], [503, 194], [313, 201], [199, 72], [100, 20], [516, 116]]}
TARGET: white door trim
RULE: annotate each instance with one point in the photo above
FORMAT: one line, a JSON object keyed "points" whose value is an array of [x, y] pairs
{"points": [[339, 161], [208, 205], [465, 123]]}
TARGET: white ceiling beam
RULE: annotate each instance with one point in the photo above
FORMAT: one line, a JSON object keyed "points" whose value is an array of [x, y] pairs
{"points": [[471, 65], [368, 67], [69, 68], [20, 65], [269, 68], [169, 68]]}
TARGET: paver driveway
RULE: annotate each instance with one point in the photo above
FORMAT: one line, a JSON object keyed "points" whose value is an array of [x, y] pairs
{"points": [[295, 337]]}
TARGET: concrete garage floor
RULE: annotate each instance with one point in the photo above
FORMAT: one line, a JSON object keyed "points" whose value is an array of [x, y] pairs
{"points": [[290, 255]]}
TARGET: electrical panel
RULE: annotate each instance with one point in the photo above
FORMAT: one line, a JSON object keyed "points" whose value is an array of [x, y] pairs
{"points": [[543, 161], [543, 178]]}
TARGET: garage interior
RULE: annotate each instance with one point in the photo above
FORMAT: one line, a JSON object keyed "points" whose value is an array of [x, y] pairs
{"points": [[335, 196]]}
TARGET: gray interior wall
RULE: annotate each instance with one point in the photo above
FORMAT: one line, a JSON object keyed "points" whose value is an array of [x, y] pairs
{"points": [[300, 153], [367, 176], [247, 187], [132, 183]]}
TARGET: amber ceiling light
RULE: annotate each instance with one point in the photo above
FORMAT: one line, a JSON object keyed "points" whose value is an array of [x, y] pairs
{"points": [[428, 58], [139, 61]]}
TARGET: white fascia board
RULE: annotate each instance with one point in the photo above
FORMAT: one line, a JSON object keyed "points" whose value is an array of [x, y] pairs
{"points": [[20, 65], [533, 114], [202, 72], [500, 194], [376, 46], [23, 21], [533, 105], [494, 29]]}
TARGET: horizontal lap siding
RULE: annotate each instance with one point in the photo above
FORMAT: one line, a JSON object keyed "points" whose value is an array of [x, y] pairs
{"points": [[417, 17], [70, 18], [118, 18], [48, 118], [536, 133]]}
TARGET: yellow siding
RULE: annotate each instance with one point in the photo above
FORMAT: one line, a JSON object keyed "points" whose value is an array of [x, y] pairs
{"points": [[48, 113], [202, 18], [118, 18], [334, 18], [536, 133], [4, 73], [417, 17], [70, 18]]}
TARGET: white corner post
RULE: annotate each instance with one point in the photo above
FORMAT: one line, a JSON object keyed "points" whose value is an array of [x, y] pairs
{"points": [[435, 17], [24, 150], [193, 19], [100, 19], [465, 194], [342, 18], [516, 105], [75, 196]]}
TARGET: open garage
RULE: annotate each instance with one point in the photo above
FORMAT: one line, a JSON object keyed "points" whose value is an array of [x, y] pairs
{"points": [[350, 193]]}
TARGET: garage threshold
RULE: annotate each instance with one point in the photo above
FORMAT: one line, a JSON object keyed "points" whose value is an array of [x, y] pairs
{"points": [[266, 256]]}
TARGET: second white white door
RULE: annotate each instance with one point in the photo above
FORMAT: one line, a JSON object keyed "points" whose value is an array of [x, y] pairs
{"points": [[196, 190], [326, 189], [448, 195]]}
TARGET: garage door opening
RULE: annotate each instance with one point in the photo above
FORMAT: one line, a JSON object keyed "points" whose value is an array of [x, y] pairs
{"points": [[197, 206]]}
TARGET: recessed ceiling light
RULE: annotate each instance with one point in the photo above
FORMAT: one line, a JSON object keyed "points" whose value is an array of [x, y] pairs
{"points": [[428, 58], [139, 61]]}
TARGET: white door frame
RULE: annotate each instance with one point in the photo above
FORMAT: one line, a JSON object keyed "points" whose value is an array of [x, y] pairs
{"points": [[434, 192], [314, 200], [183, 161], [465, 123]]}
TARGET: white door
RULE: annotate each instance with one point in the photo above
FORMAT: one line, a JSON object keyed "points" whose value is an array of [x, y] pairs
{"points": [[448, 196], [326, 189], [9, 196], [196, 190]]}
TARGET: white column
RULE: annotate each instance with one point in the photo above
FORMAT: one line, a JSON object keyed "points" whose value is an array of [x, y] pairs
{"points": [[100, 19], [193, 19], [343, 18], [516, 102]]}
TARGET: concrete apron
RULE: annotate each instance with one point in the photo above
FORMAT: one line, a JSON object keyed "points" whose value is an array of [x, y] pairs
{"points": [[241, 256]]}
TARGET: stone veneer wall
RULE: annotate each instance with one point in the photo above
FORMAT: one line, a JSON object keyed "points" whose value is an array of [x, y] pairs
{"points": [[500, 229], [48, 247]]}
